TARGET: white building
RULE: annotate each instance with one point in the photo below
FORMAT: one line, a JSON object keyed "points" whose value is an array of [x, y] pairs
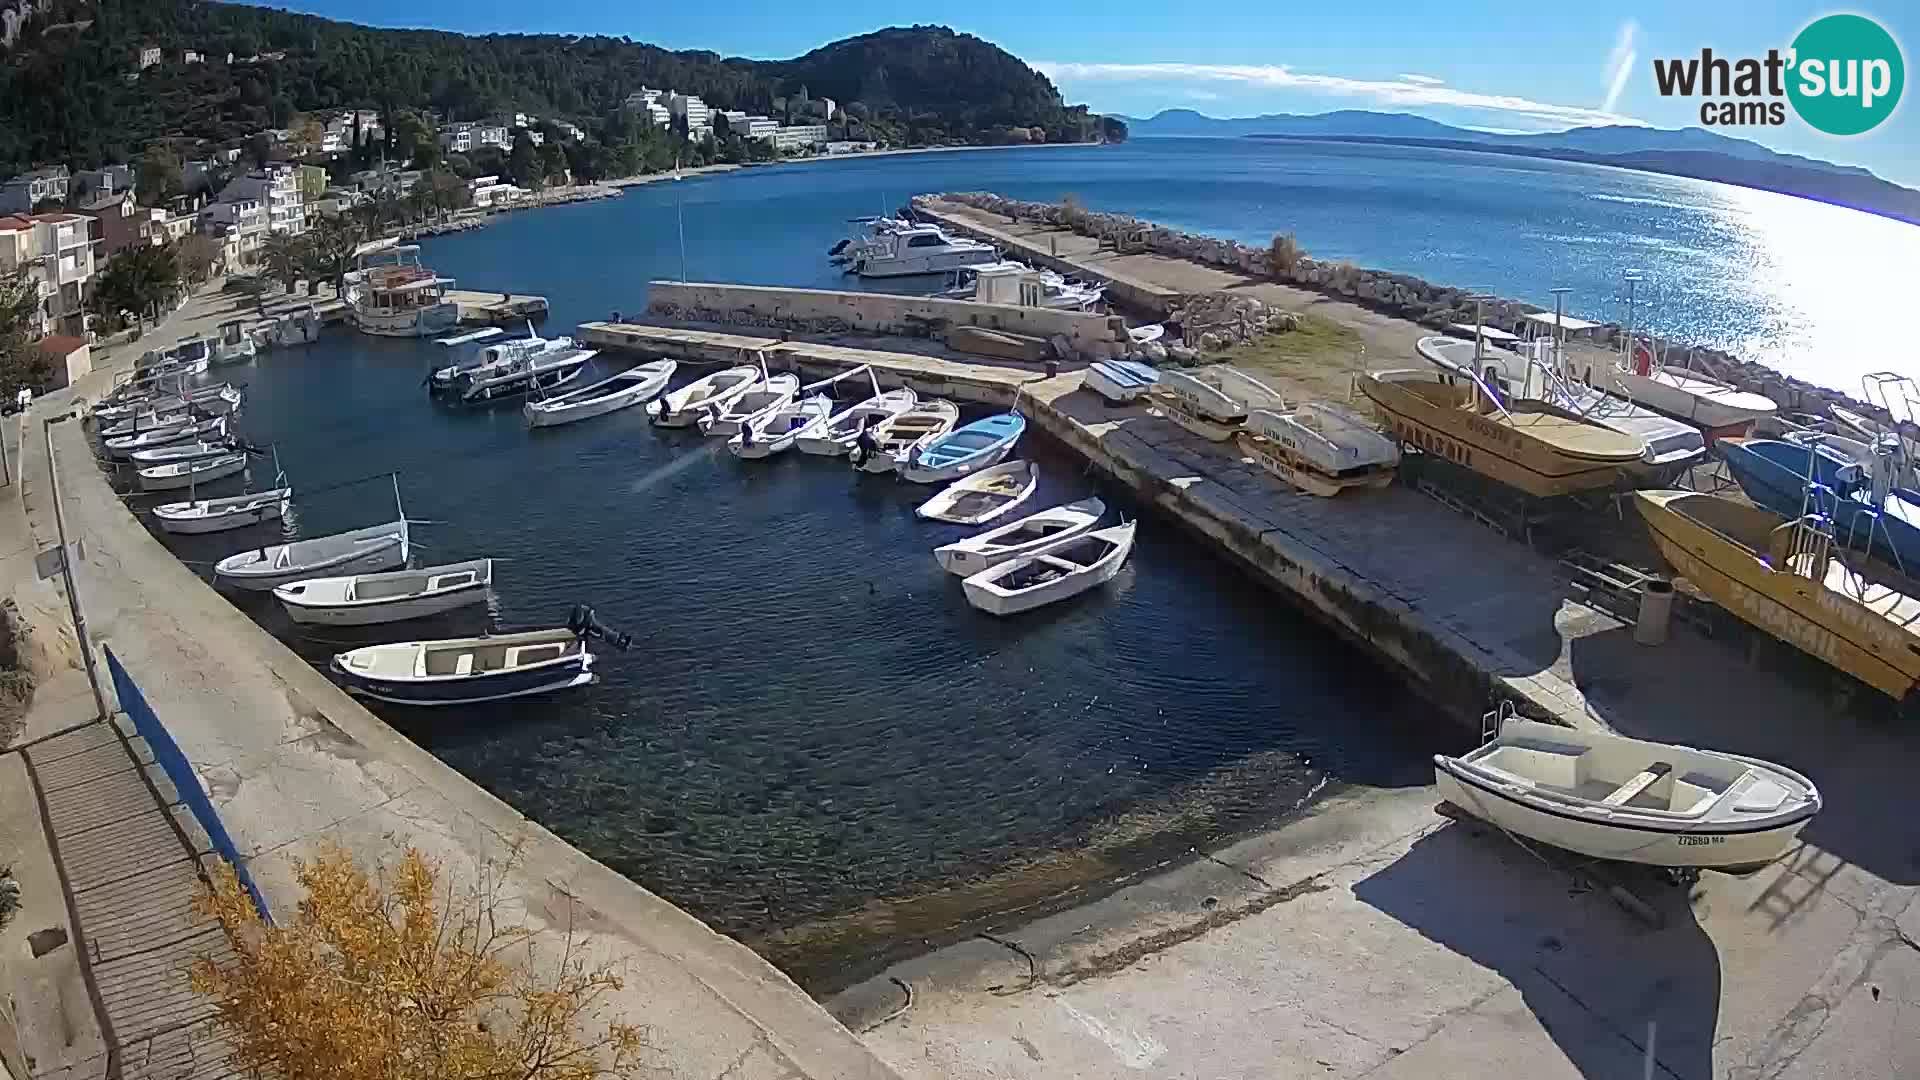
{"points": [[822, 107], [148, 56], [240, 223], [58, 250], [277, 189], [799, 137], [491, 192], [465, 138], [698, 116], [658, 115], [753, 127], [572, 132], [642, 98]]}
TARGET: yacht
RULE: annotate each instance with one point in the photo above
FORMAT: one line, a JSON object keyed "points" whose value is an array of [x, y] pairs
{"points": [[865, 237], [919, 249], [391, 294]]}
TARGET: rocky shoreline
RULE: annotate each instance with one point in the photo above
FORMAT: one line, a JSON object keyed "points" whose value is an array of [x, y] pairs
{"points": [[1401, 295]]}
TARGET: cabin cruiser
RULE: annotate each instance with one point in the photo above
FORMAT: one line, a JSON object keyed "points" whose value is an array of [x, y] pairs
{"points": [[864, 238], [390, 294], [1021, 285], [919, 249], [499, 357]]}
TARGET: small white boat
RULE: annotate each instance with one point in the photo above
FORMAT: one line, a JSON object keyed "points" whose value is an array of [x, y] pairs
{"points": [[1611, 797], [126, 446], [1055, 573], [535, 374], [461, 671], [965, 450], [1320, 448], [1198, 406], [1146, 335], [181, 474], [836, 436], [234, 345], [1120, 381], [879, 448], [1028, 536], [725, 419], [371, 599], [684, 407], [987, 494], [149, 422], [1243, 389], [376, 547], [1719, 407], [219, 515], [920, 249], [190, 451], [495, 359], [631, 387], [772, 431], [222, 400]]}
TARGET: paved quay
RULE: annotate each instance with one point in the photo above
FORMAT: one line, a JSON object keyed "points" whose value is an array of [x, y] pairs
{"points": [[289, 761]]}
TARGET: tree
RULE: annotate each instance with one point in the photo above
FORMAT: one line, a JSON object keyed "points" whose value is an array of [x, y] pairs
{"points": [[285, 257], [521, 163], [396, 977], [138, 280], [330, 245], [158, 176], [196, 254], [260, 148], [552, 165], [21, 361]]}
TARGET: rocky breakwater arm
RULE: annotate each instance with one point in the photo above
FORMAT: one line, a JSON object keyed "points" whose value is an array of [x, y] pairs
{"points": [[290, 761]]}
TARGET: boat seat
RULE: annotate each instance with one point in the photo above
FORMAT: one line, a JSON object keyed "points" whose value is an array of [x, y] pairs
{"points": [[464, 666], [1643, 780], [1543, 762], [1761, 796]]}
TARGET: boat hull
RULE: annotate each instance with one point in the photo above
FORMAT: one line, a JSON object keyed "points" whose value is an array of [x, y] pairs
{"points": [[473, 689], [204, 472], [1723, 412], [386, 557], [1181, 412], [1297, 471], [199, 524], [982, 594], [1856, 524], [942, 474], [1118, 382], [420, 322]]}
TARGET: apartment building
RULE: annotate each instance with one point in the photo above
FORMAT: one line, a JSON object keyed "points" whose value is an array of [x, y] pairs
{"points": [[58, 250]]}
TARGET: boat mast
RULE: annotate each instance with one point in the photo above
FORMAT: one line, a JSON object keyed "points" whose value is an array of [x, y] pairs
{"points": [[1634, 278]]}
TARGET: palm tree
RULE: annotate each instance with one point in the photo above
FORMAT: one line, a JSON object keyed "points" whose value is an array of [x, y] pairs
{"points": [[284, 256], [330, 247]]}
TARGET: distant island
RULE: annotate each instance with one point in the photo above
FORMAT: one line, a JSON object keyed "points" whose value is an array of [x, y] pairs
{"points": [[1689, 152]]}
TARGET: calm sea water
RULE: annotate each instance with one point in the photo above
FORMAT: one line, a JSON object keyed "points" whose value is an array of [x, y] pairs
{"points": [[813, 728]]}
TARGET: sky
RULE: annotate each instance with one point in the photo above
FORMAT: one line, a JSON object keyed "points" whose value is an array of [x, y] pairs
{"points": [[1491, 64]]}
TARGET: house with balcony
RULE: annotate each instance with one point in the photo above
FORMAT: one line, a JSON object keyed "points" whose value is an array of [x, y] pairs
{"points": [[240, 225], [94, 183], [277, 188], [57, 249], [28, 190]]}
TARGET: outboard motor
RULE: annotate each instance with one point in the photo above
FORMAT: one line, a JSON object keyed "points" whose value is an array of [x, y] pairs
{"points": [[582, 621]]}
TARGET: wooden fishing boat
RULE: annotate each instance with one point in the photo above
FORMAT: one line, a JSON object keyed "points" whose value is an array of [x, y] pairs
{"points": [[878, 449], [1779, 575], [1610, 797], [148, 422], [463, 671], [1198, 406], [987, 494], [218, 515], [1028, 536], [1532, 446], [187, 451], [723, 419], [633, 386], [179, 474], [377, 547], [1053, 574], [773, 431], [684, 407], [1120, 382], [126, 446], [836, 436], [979, 445], [371, 599]]}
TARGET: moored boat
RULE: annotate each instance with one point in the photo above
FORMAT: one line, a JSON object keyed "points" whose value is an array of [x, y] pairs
{"points": [[774, 430], [836, 436], [376, 547], [179, 474], [155, 423], [187, 451], [723, 419], [543, 372], [1607, 796], [634, 386], [684, 407], [1051, 575], [1028, 536], [126, 446], [969, 449], [910, 250], [395, 596], [218, 515], [983, 496], [470, 670], [234, 345], [879, 448], [390, 293]]}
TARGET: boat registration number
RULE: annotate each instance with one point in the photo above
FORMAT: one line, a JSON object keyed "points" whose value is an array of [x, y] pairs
{"points": [[1701, 841]]}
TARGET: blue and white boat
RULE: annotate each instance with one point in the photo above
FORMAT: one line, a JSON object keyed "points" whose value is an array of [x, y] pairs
{"points": [[965, 450], [458, 671], [1776, 475], [1120, 381]]}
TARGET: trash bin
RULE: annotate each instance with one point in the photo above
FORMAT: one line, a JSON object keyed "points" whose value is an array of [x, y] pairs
{"points": [[1656, 611]]}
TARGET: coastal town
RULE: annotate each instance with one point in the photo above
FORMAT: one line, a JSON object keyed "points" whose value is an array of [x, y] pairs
{"points": [[645, 568]]}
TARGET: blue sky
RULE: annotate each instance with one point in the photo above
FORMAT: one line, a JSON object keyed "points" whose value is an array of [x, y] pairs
{"points": [[1481, 63]]}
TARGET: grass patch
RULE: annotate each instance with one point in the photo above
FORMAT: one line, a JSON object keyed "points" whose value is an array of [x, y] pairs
{"points": [[1316, 360]]}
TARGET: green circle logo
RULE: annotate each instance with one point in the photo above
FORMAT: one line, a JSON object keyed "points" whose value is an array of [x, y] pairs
{"points": [[1847, 74]]}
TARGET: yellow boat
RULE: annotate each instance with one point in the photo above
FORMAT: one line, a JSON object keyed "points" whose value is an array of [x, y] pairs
{"points": [[1780, 576], [1531, 445]]}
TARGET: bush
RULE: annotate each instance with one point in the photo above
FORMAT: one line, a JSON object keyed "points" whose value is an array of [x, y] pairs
{"points": [[1285, 255]]}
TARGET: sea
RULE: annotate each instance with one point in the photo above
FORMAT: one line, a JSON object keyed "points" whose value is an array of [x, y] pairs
{"points": [[813, 742]]}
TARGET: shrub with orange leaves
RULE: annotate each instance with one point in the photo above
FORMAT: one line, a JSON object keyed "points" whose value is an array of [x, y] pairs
{"points": [[395, 978]]}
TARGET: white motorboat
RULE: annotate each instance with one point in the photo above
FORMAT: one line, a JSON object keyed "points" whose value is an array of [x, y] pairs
{"points": [[371, 599], [219, 515], [497, 358], [190, 451], [376, 547], [919, 249], [1053, 574], [156, 423], [462, 671], [965, 450], [684, 407], [771, 431], [984, 496], [1120, 382], [1319, 448], [541, 372], [836, 436], [1610, 797], [1722, 409], [190, 356], [181, 474], [724, 419], [863, 238], [234, 345], [124, 447], [1243, 389], [300, 326], [633, 386], [390, 293], [1028, 536], [879, 448], [1198, 406], [1020, 285]]}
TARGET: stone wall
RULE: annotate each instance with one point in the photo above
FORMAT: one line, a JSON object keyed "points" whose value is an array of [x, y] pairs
{"points": [[1402, 295]]}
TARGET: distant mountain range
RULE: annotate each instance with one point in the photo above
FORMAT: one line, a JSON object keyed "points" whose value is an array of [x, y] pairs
{"points": [[1692, 152]]}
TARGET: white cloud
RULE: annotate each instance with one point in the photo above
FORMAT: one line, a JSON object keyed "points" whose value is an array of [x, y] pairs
{"points": [[1626, 50], [1423, 80], [1404, 93]]}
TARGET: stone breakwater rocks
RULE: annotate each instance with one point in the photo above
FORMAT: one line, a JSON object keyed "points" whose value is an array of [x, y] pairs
{"points": [[1403, 295]]}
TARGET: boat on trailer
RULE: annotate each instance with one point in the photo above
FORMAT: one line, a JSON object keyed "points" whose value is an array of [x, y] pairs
{"points": [[395, 596], [984, 496], [1056, 573], [471, 670], [633, 386], [1028, 536], [1607, 796], [218, 515]]}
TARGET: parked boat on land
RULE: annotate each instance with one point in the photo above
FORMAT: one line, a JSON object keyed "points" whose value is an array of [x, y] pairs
{"points": [[983, 496], [1611, 797], [1027, 536], [969, 449], [124, 447], [1780, 574], [919, 249], [1530, 446], [836, 436], [470, 670], [1722, 409], [179, 474], [772, 431], [390, 293], [218, 515], [724, 419], [1870, 512], [1120, 382], [1319, 448], [395, 596], [1199, 406], [684, 407], [879, 448], [1053, 574], [376, 547], [634, 386]]}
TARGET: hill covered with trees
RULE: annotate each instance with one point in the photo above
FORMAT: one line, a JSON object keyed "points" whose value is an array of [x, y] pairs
{"points": [[66, 95]]}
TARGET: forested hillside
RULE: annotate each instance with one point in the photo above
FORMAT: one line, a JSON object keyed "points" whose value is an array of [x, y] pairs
{"points": [[65, 94]]}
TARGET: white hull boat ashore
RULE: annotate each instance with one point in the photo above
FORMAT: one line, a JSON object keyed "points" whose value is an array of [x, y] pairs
{"points": [[631, 387], [372, 599], [984, 496], [218, 515], [1200, 407], [1120, 382], [1319, 448], [1028, 536], [1057, 573], [1611, 797]]}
